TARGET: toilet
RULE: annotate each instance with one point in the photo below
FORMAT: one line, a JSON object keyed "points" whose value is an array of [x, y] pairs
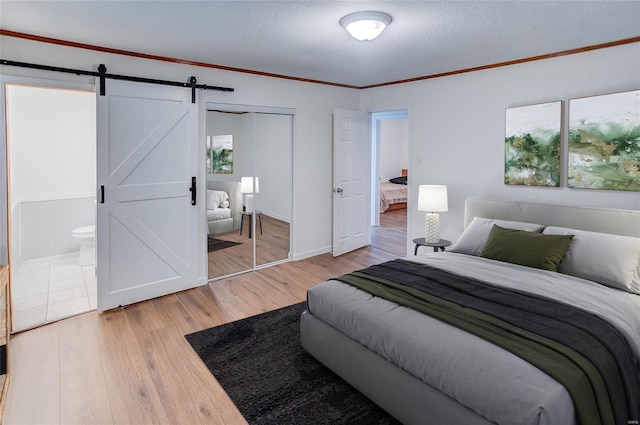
{"points": [[86, 236]]}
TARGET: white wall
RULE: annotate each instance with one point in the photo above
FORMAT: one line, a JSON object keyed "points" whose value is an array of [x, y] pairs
{"points": [[313, 103], [52, 143], [457, 127], [272, 164], [393, 149]]}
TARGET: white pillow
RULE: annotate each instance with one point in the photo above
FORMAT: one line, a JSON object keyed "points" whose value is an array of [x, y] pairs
{"points": [[475, 235], [611, 260], [215, 198]]}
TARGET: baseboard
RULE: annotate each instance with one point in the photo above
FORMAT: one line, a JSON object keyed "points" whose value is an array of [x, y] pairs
{"points": [[277, 217], [309, 254], [49, 258]]}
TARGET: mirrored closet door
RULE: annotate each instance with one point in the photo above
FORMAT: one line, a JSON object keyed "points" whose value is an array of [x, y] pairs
{"points": [[249, 206]]}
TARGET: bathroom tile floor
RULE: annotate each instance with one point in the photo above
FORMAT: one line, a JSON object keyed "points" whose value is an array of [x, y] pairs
{"points": [[49, 290]]}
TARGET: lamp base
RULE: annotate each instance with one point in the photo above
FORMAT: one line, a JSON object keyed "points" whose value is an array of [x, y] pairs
{"points": [[249, 202], [432, 228]]}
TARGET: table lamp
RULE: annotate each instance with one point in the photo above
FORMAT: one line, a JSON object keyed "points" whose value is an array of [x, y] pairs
{"points": [[432, 198], [246, 188]]}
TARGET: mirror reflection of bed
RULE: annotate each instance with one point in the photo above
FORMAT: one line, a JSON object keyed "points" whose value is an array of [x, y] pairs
{"points": [[391, 235]]}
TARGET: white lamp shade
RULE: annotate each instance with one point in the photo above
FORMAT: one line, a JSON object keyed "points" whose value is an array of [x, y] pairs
{"points": [[246, 185], [365, 26], [432, 198]]}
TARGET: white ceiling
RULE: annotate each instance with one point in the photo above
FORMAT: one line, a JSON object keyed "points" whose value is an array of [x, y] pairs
{"points": [[304, 38]]}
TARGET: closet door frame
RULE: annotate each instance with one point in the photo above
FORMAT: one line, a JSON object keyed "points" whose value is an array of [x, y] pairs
{"points": [[207, 103]]}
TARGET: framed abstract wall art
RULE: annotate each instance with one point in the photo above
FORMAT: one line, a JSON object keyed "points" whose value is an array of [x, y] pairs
{"points": [[532, 145], [220, 154], [604, 142]]}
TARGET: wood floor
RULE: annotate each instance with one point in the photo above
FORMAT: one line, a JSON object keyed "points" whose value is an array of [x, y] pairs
{"points": [[271, 245], [134, 366], [391, 235]]}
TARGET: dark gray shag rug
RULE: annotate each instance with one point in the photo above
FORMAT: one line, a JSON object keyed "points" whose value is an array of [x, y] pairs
{"points": [[272, 380], [214, 244]]}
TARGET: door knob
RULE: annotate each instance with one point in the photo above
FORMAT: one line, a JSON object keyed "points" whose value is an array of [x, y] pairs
{"points": [[339, 190]]}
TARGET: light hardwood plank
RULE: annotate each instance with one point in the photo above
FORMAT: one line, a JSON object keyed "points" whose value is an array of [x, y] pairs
{"points": [[132, 395], [34, 387], [391, 235], [84, 399], [83, 390], [78, 343]]}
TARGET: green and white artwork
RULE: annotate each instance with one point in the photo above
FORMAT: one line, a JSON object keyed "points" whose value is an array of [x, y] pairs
{"points": [[220, 154], [604, 142], [532, 145]]}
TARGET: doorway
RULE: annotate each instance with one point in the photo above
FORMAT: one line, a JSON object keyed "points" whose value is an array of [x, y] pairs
{"points": [[51, 172], [390, 174]]}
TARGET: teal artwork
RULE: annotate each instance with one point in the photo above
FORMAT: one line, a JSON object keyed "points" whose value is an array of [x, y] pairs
{"points": [[604, 142], [532, 145], [220, 154]]}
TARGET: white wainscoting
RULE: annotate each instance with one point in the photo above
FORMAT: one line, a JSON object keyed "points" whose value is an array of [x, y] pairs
{"points": [[44, 226]]}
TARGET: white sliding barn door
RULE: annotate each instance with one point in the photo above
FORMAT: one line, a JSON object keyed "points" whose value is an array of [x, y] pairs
{"points": [[351, 175], [146, 227]]}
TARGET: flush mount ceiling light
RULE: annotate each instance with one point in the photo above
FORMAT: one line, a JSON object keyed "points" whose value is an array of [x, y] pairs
{"points": [[365, 26]]}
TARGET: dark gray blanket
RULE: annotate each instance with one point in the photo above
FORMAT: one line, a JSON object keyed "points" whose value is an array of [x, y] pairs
{"points": [[594, 338]]}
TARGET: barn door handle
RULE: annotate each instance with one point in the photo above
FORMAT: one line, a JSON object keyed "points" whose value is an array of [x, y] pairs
{"points": [[192, 189]]}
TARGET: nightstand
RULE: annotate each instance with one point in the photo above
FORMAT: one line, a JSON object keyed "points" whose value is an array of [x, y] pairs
{"points": [[422, 242], [249, 214]]}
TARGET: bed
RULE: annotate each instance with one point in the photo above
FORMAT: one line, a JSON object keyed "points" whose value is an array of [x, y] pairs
{"points": [[224, 204], [393, 194], [423, 370]]}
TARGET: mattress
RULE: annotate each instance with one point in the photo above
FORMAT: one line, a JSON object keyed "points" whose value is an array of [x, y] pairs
{"points": [[218, 214], [467, 368], [391, 193]]}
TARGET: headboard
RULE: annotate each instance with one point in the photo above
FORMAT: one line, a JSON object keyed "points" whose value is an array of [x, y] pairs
{"points": [[603, 220], [235, 198]]}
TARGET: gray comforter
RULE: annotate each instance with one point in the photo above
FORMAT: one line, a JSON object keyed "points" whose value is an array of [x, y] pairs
{"points": [[489, 380]]}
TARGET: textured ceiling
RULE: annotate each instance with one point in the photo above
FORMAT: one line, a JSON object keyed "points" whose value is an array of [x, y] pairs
{"points": [[304, 38]]}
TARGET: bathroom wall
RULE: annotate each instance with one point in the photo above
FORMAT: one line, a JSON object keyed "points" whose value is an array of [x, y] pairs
{"points": [[44, 227], [52, 163]]}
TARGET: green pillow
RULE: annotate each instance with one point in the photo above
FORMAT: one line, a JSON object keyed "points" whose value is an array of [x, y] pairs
{"points": [[526, 248]]}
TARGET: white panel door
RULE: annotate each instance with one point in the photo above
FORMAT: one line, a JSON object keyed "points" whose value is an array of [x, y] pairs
{"points": [[147, 226], [351, 175]]}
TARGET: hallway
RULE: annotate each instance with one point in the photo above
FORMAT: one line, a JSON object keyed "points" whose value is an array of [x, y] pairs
{"points": [[391, 235]]}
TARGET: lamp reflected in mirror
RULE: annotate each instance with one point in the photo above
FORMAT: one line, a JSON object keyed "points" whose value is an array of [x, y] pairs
{"points": [[247, 190]]}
